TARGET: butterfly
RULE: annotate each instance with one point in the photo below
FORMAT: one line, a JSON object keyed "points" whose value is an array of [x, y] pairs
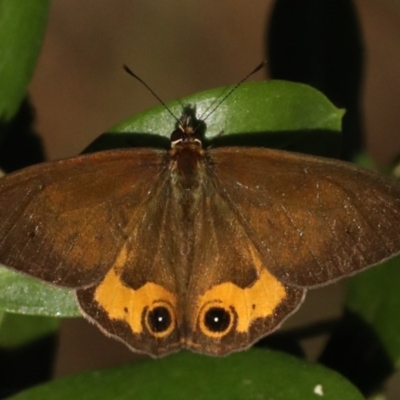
{"points": [[208, 249]]}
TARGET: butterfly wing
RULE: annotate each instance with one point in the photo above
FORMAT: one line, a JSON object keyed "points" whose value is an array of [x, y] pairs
{"points": [[139, 300], [94, 223], [232, 299], [272, 225], [66, 221], [311, 220]]}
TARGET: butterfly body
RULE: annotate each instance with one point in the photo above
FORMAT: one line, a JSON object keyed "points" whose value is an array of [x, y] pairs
{"points": [[206, 249]]}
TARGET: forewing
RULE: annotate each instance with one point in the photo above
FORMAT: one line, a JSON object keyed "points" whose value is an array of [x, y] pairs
{"points": [[67, 221], [312, 220]]}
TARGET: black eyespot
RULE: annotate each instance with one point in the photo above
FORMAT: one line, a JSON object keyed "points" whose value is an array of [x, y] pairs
{"points": [[159, 319], [217, 319]]}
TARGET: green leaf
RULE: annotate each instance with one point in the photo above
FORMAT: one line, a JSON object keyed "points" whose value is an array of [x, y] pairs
{"points": [[17, 330], [22, 26], [276, 113], [255, 374], [24, 295], [375, 296]]}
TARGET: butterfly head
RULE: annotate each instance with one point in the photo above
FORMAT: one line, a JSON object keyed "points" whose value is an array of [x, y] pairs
{"points": [[189, 130]]}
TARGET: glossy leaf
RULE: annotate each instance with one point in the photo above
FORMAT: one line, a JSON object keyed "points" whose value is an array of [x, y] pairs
{"points": [[22, 26], [375, 297], [275, 114], [25, 295], [17, 330], [255, 374]]}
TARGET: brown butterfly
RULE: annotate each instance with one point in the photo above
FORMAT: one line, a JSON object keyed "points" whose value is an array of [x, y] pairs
{"points": [[205, 249]]}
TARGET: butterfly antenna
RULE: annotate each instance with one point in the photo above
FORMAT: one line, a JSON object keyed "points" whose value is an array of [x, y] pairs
{"points": [[130, 72], [234, 88]]}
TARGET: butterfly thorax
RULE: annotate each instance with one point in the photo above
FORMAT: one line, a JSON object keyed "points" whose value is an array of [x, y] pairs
{"points": [[186, 156]]}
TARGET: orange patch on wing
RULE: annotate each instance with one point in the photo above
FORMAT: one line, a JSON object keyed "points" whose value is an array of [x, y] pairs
{"points": [[123, 303], [257, 301]]}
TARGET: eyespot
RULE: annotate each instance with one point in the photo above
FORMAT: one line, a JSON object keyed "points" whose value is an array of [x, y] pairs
{"points": [[160, 319], [216, 319]]}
